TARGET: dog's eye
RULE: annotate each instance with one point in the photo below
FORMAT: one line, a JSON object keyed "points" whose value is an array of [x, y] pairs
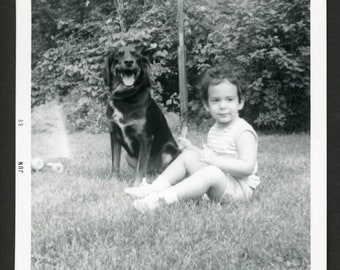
{"points": [[119, 54], [133, 53]]}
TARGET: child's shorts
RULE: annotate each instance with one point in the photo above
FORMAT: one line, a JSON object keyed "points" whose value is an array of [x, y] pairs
{"points": [[237, 189]]}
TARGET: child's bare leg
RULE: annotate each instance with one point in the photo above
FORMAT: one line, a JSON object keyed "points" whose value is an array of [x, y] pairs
{"points": [[209, 180], [185, 164]]}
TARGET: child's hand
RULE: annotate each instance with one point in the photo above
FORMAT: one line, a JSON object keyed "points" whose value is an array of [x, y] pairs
{"points": [[207, 155], [184, 143]]}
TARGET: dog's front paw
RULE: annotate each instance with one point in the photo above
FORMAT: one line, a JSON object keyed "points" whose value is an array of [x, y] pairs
{"points": [[115, 176], [138, 182]]}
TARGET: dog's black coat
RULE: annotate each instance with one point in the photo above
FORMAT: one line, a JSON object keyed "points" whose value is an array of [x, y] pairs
{"points": [[135, 120]]}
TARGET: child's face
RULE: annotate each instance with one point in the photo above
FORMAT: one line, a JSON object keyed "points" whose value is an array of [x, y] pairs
{"points": [[223, 103]]}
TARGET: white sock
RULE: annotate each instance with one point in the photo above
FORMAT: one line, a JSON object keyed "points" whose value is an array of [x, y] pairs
{"points": [[169, 195], [160, 183], [152, 202]]}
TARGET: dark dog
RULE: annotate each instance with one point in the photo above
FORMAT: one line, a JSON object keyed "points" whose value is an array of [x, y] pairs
{"points": [[135, 120]]}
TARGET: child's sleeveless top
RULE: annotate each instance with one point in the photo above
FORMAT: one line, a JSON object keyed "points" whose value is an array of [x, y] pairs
{"points": [[223, 142]]}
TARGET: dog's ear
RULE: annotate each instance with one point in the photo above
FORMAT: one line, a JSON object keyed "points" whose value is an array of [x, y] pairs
{"points": [[146, 61], [146, 67], [142, 52], [107, 70], [139, 49]]}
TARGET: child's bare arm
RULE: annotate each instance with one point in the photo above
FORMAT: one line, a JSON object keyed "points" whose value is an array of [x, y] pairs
{"points": [[237, 167], [186, 144]]}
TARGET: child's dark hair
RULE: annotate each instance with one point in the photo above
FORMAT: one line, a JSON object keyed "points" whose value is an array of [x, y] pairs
{"points": [[216, 75]]}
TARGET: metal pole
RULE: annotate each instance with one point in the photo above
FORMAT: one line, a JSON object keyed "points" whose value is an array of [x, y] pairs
{"points": [[181, 65]]}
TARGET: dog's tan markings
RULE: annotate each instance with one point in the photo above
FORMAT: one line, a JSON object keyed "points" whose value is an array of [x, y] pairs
{"points": [[117, 116], [166, 159], [137, 124]]}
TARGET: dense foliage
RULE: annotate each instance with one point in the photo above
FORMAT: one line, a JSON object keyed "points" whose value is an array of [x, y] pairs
{"points": [[267, 41]]}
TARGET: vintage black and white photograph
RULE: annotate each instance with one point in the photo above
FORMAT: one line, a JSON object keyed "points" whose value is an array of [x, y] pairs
{"points": [[170, 134]]}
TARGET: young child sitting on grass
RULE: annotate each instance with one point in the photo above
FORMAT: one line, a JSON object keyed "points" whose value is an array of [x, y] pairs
{"points": [[227, 165]]}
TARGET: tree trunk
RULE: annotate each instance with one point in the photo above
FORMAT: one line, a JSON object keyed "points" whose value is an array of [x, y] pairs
{"points": [[120, 12]]}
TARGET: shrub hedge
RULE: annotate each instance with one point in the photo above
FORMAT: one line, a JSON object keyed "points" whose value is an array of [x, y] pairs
{"points": [[267, 41]]}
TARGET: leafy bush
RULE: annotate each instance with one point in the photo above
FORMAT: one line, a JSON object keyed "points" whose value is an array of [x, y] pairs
{"points": [[266, 41]]}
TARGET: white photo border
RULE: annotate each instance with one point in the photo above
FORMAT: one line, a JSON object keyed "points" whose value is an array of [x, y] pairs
{"points": [[318, 136]]}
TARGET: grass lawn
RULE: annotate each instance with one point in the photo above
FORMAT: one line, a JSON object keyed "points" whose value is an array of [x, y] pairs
{"points": [[81, 219]]}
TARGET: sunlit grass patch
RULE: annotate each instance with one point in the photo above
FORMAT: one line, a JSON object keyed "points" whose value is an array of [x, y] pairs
{"points": [[81, 219]]}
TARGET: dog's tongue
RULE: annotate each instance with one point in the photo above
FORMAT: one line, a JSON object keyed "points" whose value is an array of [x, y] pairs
{"points": [[128, 80]]}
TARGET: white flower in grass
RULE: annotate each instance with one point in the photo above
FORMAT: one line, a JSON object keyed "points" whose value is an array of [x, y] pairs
{"points": [[58, 167], [37, 164]]}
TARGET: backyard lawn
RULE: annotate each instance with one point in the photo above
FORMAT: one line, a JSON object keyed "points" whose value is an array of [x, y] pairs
{"points": [[81, 219]]}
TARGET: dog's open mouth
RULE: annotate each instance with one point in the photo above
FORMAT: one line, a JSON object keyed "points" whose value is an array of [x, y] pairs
{"points": [[128, 77]]}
